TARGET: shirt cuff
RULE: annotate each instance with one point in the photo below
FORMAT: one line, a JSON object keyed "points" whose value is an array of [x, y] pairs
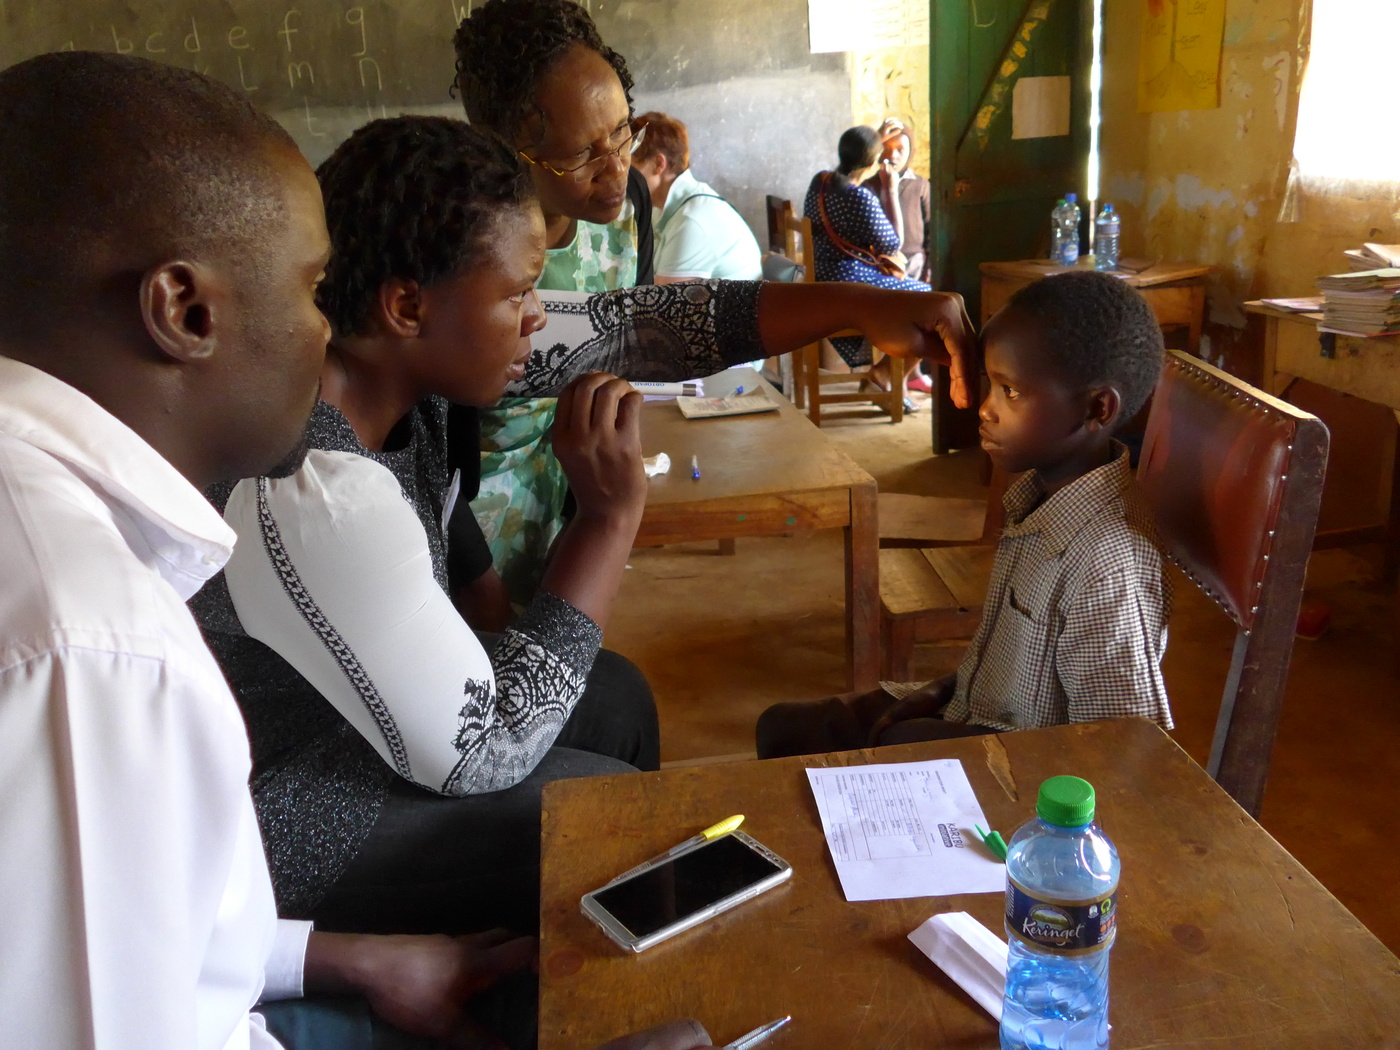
{"points": [[736, 321], [559, 628], [286, 963]]}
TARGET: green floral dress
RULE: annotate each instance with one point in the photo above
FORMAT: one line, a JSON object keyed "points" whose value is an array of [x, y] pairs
{"points": [[520, 504]]}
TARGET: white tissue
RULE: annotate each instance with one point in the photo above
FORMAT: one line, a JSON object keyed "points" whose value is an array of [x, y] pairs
{"points": [[972, 955], [657, 464]]}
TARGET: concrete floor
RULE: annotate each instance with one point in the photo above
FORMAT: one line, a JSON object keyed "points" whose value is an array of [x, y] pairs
{"points": [[721, 638]]}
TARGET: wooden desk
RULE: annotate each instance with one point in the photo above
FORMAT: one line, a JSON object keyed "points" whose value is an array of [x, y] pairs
{"points": [[1366, 368], [765, 475], [1225, 940], [1176, 291]]}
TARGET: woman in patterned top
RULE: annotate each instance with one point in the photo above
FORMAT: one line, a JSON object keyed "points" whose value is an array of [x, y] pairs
{"points": [[538, 74], [384, 732], [850, 232]]}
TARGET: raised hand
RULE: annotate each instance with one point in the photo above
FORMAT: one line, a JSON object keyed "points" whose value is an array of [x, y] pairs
{"points": [[597, 438]]}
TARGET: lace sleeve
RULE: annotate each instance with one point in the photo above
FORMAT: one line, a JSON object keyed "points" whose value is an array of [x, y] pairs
{"points": [[332, 571], [662, 333]]}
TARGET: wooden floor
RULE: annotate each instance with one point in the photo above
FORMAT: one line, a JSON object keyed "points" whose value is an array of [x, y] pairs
{"points": [[721, 638]]}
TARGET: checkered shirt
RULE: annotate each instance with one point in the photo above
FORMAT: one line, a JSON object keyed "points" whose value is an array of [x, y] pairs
{"points": [[1075, 621]]}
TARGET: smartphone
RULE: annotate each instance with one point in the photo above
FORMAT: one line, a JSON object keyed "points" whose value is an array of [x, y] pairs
{"points": [[670, 894]]}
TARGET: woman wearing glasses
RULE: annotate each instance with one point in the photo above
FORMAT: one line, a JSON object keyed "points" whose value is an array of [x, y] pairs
{"points": [[539, 75]]}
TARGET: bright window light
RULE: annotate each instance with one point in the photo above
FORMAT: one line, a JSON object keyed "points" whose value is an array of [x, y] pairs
{"points": [[1345, 122]]}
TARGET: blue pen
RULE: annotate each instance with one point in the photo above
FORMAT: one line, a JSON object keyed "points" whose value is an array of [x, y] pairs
{"points": [[694, 468]]}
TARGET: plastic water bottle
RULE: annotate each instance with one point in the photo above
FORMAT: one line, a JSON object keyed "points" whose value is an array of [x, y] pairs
{"points": [[1106, 239], [1057, 230], [1061, 916], [1069, 231]]}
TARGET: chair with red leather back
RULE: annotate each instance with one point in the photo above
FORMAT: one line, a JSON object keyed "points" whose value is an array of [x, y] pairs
{"points": [[1234, 478]]}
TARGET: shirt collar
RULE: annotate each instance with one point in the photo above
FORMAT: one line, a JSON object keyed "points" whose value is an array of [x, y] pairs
{"points": [[1060, 517], [682, 189], [189, 540]]}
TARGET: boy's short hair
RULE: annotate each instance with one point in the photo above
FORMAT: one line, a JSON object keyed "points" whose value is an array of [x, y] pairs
{"points": [[410, 197], [666, 136], [1096, 329], [505, 48], [124, 154]]}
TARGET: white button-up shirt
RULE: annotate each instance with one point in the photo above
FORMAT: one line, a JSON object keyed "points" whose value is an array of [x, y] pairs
{"points": [[135, 906]]}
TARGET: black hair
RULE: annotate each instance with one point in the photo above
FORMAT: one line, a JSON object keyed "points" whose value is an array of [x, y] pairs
{"points": [[506, 47], [410, 197], [858, 148], [1096, 329], [126, 160]]}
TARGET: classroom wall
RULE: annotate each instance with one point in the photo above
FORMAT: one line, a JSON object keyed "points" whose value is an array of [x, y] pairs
{"points": [[763, 112], [1211, 186]]}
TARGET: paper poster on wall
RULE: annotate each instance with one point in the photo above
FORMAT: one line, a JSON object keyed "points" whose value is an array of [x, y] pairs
{"points": [[862, 25], [1040, 107], [1179, 60]]}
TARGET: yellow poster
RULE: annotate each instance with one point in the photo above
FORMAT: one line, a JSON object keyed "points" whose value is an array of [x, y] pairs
{"points": [[1179, 63]]}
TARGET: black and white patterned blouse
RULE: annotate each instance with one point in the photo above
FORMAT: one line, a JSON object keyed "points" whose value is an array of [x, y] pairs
{"points": [[334, 627]]}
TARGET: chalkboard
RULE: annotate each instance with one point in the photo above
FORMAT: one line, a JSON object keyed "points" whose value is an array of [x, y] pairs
{"points": [[763, 113]]}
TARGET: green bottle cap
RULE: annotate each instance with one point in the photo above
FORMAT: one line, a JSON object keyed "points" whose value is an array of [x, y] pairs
{"points": [[1066, 802]]}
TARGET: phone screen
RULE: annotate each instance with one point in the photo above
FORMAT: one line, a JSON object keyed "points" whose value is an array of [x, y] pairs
{"points": [[669, 892]]}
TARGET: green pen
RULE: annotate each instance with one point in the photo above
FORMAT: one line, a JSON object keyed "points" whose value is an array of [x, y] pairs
{"points": [[993, 841]]}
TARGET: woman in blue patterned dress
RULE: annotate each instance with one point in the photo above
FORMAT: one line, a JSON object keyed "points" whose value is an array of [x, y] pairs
{"points": [[851, 234]]}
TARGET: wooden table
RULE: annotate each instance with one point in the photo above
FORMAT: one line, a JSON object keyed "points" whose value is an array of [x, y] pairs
{"points": [[1176, 291], [1225, 940], [1366, 368], [764, 475]]}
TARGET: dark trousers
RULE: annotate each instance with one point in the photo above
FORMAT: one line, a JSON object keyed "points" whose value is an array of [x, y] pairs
{"points": [[326, 1022], [845, 723], [459, 865]]}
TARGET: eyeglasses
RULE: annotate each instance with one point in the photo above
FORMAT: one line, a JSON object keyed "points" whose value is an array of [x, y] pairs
{"points": [[632, 136]]}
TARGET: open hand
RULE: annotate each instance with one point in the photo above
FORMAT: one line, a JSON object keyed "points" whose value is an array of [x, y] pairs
{"points": [[597, 437], [932, 325]]}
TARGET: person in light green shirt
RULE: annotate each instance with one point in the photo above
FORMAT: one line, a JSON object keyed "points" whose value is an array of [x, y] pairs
{"points": [[537, 73], [699, 235]]}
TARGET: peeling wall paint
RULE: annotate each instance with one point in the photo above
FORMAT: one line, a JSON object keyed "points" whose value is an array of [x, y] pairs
{"points": [[1210, 186], [1204, 185]]}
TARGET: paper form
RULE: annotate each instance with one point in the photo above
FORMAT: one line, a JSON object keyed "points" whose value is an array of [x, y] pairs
{"points": [[904, 830], [1179, 57]]}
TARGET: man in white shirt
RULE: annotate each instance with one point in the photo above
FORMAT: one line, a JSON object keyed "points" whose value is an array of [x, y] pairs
{"points": [[699, 234], [160, 243]]}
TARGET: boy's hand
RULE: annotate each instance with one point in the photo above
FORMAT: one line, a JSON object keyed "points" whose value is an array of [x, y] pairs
{"points": [[932, 325], [597, 437], [421, 985], [684, 1034], [923, 703]]}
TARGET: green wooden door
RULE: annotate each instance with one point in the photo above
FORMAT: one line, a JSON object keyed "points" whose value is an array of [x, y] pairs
{"points": [[993, 194]]}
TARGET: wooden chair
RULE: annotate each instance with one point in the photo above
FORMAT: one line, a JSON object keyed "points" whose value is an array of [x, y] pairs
{"points": [[1234, 478], [808, 378], [934, 593]]}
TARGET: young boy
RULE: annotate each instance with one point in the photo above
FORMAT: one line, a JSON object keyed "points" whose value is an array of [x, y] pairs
{"points": [[1074, 625]]}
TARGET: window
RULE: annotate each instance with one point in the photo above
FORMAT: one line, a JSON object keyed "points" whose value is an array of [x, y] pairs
{"points": [[1346, 114]]}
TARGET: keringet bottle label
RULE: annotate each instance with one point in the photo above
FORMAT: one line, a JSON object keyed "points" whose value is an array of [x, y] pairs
{"points": [[1064, 927]]}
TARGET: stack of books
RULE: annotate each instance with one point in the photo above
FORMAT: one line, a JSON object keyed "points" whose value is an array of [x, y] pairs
{"points": [[1365, 303], [1371, 255]]}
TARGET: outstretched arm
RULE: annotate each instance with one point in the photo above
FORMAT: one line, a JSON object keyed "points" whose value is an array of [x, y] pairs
{"points": [[681, 331]]}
